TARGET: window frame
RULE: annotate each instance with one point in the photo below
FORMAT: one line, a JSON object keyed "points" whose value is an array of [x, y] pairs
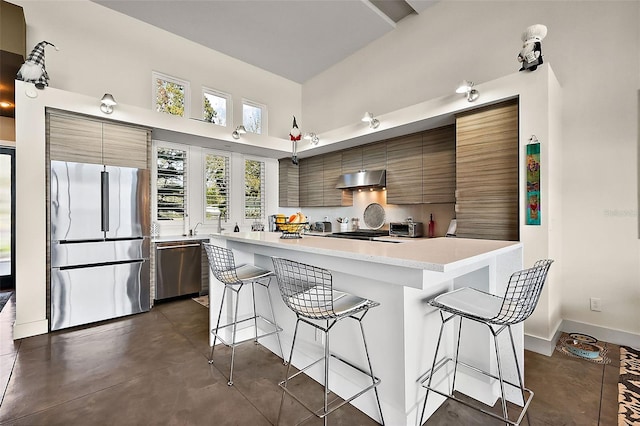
{"points": [[227, 155], [156, 75], [220, 94], [263, 185], [264, 130]]}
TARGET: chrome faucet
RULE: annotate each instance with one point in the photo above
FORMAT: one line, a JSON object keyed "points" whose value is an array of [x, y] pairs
{"points": [[195, 229], [220, 228]]}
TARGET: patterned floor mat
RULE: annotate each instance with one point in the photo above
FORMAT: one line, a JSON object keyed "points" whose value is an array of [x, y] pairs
{"points": [[203, 300], [629, 387]]}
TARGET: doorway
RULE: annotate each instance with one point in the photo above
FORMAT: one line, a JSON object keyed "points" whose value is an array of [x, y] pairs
{"points": [[7, 218]]}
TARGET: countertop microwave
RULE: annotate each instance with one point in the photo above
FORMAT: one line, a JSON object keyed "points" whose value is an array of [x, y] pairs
{"points": [[406, 229]]}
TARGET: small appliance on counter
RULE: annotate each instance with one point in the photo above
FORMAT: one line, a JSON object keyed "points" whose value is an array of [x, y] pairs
{"points": [[322, 227], [409, 229]]}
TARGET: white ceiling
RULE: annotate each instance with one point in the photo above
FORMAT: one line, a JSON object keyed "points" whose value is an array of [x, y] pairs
{"points": [[296, 39]]}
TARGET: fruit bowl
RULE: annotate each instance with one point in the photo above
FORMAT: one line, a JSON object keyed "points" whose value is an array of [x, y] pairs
{"points": [[293, 230]]}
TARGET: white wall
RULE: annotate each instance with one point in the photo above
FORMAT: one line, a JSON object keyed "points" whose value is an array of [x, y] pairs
{"points": [[103, 51], [594, 48]]}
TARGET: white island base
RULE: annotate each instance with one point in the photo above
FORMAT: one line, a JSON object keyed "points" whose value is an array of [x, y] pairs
{"points": [[402, 331]]}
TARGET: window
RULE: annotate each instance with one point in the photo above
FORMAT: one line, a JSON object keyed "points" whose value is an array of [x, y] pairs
{"points": [[170, 95], [254, 180], [254, 117], [216, 178], [171, 183], [215, 106]]}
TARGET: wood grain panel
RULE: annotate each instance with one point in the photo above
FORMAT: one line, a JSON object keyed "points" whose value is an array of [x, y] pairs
{"points": [[303, 182], [125, 146], [332, 169], [352, 160], [374, 156], [487, 172], [288, 184], [75, 139], [439, 165], [311, 181], [404, 170]]}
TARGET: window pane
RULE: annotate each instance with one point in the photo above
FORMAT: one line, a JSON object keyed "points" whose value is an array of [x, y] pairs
{"points": [[215, 109], [252, 118], [170, 97], [253, 189], [217, 184], [171, 190]]}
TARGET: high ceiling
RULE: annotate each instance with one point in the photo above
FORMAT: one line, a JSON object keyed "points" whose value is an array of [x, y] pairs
{"points": [[295, 39]]}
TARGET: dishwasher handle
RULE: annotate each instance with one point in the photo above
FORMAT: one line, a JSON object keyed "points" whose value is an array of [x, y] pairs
{"points": [[159, 247]]}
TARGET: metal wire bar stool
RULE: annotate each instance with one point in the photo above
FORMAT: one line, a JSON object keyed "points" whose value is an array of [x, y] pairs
{"points": [[498, 314], [308, 291], [222, 264]]}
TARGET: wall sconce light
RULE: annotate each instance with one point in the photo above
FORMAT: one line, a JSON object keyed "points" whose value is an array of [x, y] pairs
{"points": [[107, 103], [369, 118], [533, 139], [312, 138], [240, 130], [466, 87]]}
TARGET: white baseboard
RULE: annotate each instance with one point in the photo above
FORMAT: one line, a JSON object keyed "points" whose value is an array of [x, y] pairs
{"points": [[540, 344], [609, 335], [23, 330]]}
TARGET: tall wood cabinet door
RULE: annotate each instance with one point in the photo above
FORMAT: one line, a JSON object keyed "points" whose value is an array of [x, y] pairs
{"points": [[487, 173], [404, 170], [288, 183], [351, 160], [74, 139], [125, 146], [374, 156], [315, 184], [303, 182], [331, 173], [439, 165]]}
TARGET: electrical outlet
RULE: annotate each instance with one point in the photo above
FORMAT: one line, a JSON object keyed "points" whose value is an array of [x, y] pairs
{"points": [[596, 304]]}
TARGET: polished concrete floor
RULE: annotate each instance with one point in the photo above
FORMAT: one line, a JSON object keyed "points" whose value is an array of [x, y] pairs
{"points": [[151, 369]]}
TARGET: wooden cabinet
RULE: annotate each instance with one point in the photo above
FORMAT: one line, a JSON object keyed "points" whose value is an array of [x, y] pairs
{"points": [[351, 160], [374, 156], [311, 181], [332, 169], [487, 172], [439, 165], [86, 140], [288, 185], [404, 170]]}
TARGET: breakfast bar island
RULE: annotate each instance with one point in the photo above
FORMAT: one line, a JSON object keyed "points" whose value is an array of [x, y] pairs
{"points": [[402, 275]]}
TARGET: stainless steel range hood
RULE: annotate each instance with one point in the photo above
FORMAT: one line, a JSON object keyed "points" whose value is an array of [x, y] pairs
{"points": [[363, 179]]}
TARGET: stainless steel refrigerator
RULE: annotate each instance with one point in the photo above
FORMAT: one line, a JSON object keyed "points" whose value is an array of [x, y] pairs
{"points": [[99, 243]]}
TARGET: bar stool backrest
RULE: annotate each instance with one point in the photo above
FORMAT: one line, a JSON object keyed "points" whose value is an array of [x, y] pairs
{"points": [[222, 264], [307, 290], [523, 293]]}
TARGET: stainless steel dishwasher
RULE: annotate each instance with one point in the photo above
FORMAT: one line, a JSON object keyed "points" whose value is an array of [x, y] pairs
{"points": [[178, 268]]}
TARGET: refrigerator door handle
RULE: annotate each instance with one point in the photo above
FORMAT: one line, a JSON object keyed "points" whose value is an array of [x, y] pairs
{"points": [[104, 186]]}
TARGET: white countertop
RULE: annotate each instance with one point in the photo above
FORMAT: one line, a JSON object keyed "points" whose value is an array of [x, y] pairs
{"points": [[435, 254], [168, 238]]}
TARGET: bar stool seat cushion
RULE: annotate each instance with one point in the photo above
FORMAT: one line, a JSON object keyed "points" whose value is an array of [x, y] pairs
{"points": [[251, 272], [470, 302], [317, 302]]}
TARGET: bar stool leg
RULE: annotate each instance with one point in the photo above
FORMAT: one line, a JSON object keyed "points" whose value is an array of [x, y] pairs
{"points": [[286, 377], [433, 367], [233, 336], [504, 401], [273, 317], [326, 376], [255, 313], [373, 380], [455, 364], [215, 336], [515, 357]]}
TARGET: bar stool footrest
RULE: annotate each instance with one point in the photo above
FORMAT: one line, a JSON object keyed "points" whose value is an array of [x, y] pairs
{"points": [[425, 378], [265, 327], [320, 413]]}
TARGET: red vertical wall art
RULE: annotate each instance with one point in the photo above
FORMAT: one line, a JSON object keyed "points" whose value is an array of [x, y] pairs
{"points": [[533, 184]]}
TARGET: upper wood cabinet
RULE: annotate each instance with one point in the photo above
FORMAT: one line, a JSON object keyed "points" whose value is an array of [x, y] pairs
{"points": [[85, 140], [374, 156], [311, 181], [404, 170], [352, 160], [439, 165], [332, 169], [487, 172], [288, 185]]}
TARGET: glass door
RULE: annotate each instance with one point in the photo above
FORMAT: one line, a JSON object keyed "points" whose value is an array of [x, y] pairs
{"points": [[7, 218]]}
